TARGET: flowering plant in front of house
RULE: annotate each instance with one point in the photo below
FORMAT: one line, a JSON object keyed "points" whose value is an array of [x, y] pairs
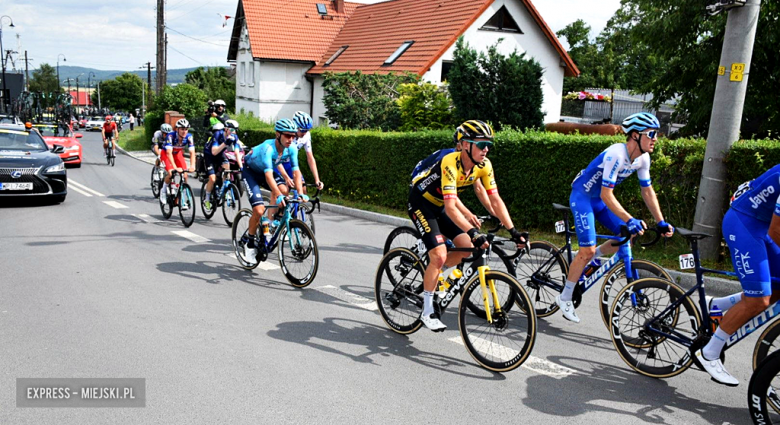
{"points": [[583, 95]]}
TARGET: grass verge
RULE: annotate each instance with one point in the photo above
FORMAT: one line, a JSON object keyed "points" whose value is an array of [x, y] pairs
{"points": [[134, 140]]}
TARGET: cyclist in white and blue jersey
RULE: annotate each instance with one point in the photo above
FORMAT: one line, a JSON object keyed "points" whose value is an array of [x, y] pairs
{"points": [[303, 141], [592, 198], [259, 172], [751, 228], [223, 140]]}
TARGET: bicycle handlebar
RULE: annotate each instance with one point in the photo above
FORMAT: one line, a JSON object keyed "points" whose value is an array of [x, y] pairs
{"points": [[625, 234]]}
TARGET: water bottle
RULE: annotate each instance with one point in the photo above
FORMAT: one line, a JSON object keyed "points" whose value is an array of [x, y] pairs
{"points": [[715, 315], [594, 265], [455, 274], [264, 222]]}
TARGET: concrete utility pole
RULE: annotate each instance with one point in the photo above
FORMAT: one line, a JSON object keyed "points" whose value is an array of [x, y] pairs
{"points": [[725, 121], [160, 46], [27, 73], [147, 96]]}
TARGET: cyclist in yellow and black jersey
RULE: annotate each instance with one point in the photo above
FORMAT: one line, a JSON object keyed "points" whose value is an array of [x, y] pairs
{"points": [[438, 213]]}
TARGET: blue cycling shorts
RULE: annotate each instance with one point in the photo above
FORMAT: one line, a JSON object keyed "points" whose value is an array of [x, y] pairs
{"points": [[586, 211], [754, 255], [253, 179], [288, 169]]}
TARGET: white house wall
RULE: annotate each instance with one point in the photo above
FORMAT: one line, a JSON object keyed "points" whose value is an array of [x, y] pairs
{"points": [[533, 42], [318, 110]]}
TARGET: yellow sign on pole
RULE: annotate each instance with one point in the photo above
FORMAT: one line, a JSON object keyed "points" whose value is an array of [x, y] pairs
{"points": [[721, 70], [737, 69]]}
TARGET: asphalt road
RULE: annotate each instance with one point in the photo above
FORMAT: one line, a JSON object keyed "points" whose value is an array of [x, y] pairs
{"points": [[93, 288]]}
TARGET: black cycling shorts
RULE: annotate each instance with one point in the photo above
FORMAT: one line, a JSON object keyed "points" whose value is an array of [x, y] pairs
{"points": [[431, 221]]}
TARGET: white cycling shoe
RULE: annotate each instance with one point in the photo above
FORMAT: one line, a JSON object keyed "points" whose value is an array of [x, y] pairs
{"points": [[716, 370], [433, 323], [250, 254], [567, 308]]}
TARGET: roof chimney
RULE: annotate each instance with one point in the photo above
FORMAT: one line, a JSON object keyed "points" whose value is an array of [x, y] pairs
{"points": [[339, 6]]}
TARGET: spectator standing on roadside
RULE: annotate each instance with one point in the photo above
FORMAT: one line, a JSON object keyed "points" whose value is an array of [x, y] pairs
{"points": [[132, 122]]}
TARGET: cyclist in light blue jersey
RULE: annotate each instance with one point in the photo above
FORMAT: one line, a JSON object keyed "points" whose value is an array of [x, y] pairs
{"points": [[259, 172], [303, 141], [592, 198], [751, 228]]}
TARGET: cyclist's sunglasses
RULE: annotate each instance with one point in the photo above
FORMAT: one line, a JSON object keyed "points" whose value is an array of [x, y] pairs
{"points": [[650, 133], [289, 135], [481, 144]]}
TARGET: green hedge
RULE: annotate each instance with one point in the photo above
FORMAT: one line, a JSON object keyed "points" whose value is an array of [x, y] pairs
{"points": [[533, 169]]}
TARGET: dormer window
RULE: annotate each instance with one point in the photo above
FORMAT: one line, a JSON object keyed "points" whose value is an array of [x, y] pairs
{"points": [[400, 51], [336, 55], [502, 21]]}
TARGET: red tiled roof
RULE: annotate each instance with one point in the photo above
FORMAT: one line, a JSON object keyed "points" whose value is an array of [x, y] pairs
{"points": [[292, 29], [375, 31], [81, 98]]}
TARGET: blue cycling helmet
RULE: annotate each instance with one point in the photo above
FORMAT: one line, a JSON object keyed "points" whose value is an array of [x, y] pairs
{"points": [[302, 120], [285, 125], [640, 122]]}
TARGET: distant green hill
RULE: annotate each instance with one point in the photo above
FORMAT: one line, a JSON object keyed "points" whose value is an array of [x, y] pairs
{"points": [[175, 76]]}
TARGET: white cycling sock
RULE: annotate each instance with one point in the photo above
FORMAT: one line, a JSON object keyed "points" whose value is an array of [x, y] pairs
{"points": [[164, 188], [598, 252], [726, 303], [568, 291], [712, 350], [427, 303]]}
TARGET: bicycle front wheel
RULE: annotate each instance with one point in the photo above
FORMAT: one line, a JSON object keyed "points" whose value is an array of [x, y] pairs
{"points": [[298, 254], [762, 391], [108, 155], [231, 203], [644, 350], [401, 237], [156, 181], [186, 205], [398, 288], [616, 280], [767, 344], [542, 270], [507, 340], [207, 212], [167, 207]]}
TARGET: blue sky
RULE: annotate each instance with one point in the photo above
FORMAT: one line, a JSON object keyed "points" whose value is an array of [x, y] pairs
{"points": [[110, 35]]}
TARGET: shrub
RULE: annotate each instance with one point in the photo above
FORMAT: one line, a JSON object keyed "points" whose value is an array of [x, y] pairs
{"points": [[184, 98], [424, 106]]}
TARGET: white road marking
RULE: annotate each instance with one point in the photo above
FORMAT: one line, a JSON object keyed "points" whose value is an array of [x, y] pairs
{"points": [[265, 265], [536, 364], [80, 191], [191, 236], [81, 186], [115, 204], [354, 299], [146, 218]]}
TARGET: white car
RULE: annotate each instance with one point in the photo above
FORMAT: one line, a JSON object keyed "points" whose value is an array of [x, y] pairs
{"points": [[95, 123]]}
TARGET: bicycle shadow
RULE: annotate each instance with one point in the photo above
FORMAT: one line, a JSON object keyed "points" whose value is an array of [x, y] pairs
{"points": [[148, 199], [619, 392], [550, 330], [69, 239], [367, 343], [224, 273], [351, 248]]}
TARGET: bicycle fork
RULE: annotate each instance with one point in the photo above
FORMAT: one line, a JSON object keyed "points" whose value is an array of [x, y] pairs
{"points": [[488, 285]]}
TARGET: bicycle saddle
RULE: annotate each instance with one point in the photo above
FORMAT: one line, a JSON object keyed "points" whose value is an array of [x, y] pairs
{"points": [[560, 207], [688, 234]]}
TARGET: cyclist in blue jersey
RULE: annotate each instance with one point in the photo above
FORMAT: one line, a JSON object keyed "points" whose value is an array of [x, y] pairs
{"points": [[259, 172], [223, 140], [751, 228], [592, 198], [303, 141], [173, 154]]}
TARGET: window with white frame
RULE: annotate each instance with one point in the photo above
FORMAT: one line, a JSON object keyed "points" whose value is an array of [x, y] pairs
{"points": [[242, 74]]}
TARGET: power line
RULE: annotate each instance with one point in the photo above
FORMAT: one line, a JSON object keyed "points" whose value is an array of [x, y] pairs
{"points": [[192, 10], [194, 60], [196, 39]]}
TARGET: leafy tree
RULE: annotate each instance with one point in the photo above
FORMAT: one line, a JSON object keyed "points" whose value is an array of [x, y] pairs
{"points": [[684, 45], [184, 98], [44, 79], [505, 90], [124, 93], [424, 106], [364, 100], [215, 82]]}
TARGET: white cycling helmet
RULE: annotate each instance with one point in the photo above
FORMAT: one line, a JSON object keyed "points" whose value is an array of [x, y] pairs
{"points": [[220, 102], [182, 123], [166, 128], [218, 126]]}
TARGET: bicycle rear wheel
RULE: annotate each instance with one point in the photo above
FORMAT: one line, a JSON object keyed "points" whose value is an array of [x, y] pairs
{"points": [[238, 230], [156, 181], [642, 349], [231, 203], [767, 344], [763, 391], [307, 217], [298, 254], [541, 269], [615, 280], [113, 158], [506, 342], [207, 212], [186, 205], [398, 288]]}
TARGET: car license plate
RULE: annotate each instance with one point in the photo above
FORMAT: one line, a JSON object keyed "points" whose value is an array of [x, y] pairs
{"points": [[16, 186]]}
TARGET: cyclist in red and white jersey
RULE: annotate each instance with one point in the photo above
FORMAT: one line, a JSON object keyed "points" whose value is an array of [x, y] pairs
{"points": [[110, 132], [174, 153]]}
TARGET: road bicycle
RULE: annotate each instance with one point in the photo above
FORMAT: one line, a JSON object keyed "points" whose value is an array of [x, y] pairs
{"points": [[543, 268], [763, 399], [110, 152], [298, 253], [496, 318], [225, 194], [179, 194], [657, 327]]}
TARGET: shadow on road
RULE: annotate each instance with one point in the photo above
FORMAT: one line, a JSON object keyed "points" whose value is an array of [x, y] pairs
{"points": [[352, 248], [367, 343], [214, 272], [617, 391]]}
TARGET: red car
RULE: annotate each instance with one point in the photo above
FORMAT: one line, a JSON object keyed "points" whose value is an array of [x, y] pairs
{"points": [[82, 123], [64, 137]]}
